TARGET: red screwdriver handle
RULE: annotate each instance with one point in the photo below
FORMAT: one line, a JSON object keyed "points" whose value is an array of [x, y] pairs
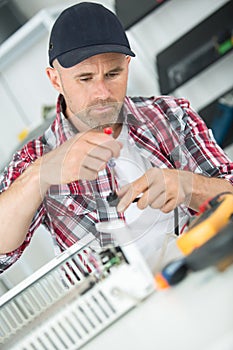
{"points": [[108, 131]]}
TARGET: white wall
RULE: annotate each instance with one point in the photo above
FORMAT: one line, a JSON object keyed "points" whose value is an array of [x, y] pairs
{"points": [[31, 7]]}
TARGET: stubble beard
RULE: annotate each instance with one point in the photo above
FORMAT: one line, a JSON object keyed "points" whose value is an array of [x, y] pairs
{"points": [[100, 119]]}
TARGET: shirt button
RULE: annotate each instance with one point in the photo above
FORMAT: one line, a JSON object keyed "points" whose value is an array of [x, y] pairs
{"points": [[71, 207]]}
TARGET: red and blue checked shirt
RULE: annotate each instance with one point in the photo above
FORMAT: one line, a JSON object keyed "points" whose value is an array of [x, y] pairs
{"points": [[164, 129]]}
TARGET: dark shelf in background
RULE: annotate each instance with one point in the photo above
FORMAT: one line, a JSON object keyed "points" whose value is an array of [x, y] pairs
{"points": [[10, 20], [130, 11], [196, 50]]}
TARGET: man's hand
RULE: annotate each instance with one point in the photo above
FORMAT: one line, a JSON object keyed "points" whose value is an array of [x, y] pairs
{"points": [[165, 189], [81, 157]]}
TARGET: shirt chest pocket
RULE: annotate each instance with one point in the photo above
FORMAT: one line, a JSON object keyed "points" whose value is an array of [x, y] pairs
{"points": [[66, 204]]}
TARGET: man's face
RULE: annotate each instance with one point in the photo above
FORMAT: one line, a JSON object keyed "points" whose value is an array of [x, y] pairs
{"points": [[94, 89]]}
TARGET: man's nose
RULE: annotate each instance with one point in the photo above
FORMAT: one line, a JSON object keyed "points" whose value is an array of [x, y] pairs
{"points": [[102, 90]]}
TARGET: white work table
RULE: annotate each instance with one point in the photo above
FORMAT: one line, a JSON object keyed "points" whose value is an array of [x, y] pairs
{"points": [[196, 314]]}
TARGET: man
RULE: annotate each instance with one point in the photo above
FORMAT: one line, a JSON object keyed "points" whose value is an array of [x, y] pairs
{"points": [[165, 156]]}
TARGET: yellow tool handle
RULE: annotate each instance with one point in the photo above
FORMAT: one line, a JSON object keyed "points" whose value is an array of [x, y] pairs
{"points": [[200, 233]]}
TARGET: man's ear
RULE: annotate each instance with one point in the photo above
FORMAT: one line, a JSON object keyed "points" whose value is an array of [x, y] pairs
{"points": [[54, 78], [128, 58]]}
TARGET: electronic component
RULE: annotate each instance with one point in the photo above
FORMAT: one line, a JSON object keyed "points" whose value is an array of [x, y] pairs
{"points": [[74, 297]]}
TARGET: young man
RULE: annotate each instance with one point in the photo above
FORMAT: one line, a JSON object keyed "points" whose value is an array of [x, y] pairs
{"points": [[163, 151]]}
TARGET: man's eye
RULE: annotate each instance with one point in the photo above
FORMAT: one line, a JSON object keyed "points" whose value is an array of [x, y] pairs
{"points": [[112, 74], [84, 79]]}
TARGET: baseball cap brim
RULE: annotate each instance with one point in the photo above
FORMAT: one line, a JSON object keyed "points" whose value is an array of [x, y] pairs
{"points": [[73, 57]]}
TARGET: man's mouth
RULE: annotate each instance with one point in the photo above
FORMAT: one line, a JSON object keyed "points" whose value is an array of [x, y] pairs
{"points": [[102, 109]]}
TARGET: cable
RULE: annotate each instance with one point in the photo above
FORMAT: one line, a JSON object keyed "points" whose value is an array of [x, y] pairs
{"points": [[176, 221]]}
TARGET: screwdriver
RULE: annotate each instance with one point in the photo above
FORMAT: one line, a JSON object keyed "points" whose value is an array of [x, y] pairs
{"points": [[112, 198], [111, 162]]}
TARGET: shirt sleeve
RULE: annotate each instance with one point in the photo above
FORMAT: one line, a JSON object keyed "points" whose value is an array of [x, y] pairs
{"points": [[197, 149], [20, 161]]}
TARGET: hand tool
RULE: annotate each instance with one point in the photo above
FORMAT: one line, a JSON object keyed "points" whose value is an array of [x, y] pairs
{"points": [[213, 215], [217, 251], [209, 241]]}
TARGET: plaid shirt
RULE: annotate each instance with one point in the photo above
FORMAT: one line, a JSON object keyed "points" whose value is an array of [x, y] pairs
{"points": [[164, 129]]}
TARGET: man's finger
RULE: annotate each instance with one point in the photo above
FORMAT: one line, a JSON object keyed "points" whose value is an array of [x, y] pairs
{"points": [[129, 192]]}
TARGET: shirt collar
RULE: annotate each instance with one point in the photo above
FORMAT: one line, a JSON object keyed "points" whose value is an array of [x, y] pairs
{"points": [[64, 129]]}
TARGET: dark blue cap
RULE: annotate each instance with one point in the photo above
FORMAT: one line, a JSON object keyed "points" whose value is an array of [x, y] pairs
{"points": [[84, 30]]}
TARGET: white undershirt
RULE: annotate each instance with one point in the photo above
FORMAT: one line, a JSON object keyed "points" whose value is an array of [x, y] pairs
{"points": [[149, 227]]}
